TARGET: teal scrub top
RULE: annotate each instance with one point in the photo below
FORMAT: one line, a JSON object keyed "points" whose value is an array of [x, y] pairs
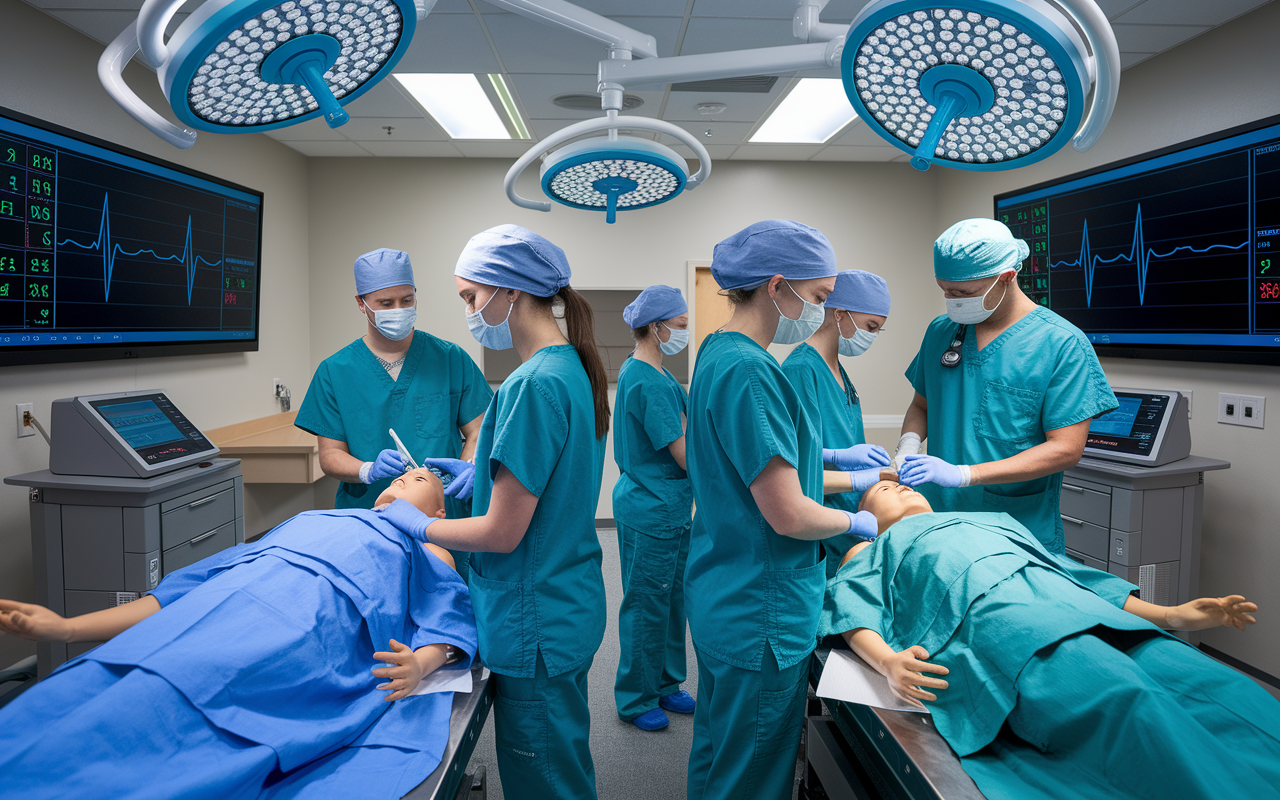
{"points": [[353, 399], [548, 594], [746, 586], [653, 494], [1039, 375], [934, 579]]}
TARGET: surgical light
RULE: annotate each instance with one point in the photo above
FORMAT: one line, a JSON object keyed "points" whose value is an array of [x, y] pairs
{"points": [[456, 101], [981, 84], [814, 111], [246, 66]]}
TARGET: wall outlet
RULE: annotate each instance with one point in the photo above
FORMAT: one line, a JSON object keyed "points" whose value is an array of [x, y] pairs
{"points": [[25, 430], [1241, 409]]}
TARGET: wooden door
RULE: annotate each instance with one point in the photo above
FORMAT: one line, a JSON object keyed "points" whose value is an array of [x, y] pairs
{"points": [[712, 308]]}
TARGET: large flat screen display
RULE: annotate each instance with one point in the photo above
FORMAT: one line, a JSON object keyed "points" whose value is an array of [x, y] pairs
{"points": [[109, 253], [1166, 255]]}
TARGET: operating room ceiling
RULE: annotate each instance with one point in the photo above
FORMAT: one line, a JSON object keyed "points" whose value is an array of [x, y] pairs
{"points": [[542, 63]]}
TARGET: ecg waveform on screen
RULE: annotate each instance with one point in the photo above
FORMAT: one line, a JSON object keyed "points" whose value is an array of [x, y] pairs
{"points": [[111, 250], [1139, 255]]}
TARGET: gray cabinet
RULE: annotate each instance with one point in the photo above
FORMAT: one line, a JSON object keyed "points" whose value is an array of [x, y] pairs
{"points": [[100, 542]]}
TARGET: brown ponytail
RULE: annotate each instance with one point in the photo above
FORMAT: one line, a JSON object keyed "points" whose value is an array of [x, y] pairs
{"points": [[580, 321]]}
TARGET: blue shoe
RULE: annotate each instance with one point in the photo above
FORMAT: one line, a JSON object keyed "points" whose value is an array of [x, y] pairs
{"points": [[680, 702], [653, 720]]}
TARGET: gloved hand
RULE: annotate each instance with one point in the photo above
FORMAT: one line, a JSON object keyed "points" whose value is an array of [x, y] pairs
{"points": [[919, 469], [860, 456], [863, 525], [463, 472], [406, 516], [389, 464], [864, 479]]}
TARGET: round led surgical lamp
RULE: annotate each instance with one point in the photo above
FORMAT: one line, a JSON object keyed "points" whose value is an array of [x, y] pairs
{"points": [[611, 173], [247, 66], [982, 84]]}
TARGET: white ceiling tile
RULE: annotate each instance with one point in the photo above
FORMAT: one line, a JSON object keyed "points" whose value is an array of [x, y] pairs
{"points": [[1129, 59], [530, 46], [718, 35], [383, 100], [740, 106], [1153, 38], [1189, 12], [624, 8], [776, 152], [412, 149], [860, 134], [1114, 8], [372, 129], [328, 149], [857, 154], [453, 7], [718, 152], [511, 150], [535, 92], [313, 130], [721, 132], [449, 43], [757, 9], [104, 25]]}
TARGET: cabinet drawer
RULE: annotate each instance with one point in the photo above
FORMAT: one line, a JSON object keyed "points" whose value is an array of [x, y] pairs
{"points": [[1088, 561], [1085, 537], [1087, 505], [196, 518], [202, 546]]}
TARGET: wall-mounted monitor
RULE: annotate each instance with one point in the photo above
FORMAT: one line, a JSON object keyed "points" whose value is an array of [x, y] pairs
{"points": [[1167, 255], [109, 253]]}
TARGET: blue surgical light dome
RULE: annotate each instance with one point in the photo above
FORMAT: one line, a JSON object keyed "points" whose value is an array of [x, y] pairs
{"points": [[994, 84], [613, 174]]}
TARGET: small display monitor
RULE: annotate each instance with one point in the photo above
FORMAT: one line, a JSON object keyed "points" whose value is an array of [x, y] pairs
{"points": [[1145, 429], [128, 434]]}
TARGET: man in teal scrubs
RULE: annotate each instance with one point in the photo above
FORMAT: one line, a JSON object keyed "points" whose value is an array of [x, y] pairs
{"points": [[855, 312], [427, 389], [1005, 389], [1049, 679], [653, 504]]}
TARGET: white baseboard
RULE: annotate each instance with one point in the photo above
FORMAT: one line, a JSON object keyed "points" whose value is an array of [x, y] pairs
{"points": [[882, 421]]}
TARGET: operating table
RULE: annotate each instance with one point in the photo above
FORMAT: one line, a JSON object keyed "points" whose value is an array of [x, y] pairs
{"points": [[450, 781]]}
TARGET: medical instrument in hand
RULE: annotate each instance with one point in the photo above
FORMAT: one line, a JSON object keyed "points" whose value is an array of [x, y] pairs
{"points": [[951, 356], [389, 464], [249, 66], [858, 457], [404, 451]]}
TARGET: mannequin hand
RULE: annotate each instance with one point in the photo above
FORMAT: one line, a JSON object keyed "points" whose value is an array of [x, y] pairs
{"points": [[406, 516], [390, 464], [904, 672], [860, 456], [863, 525], [1232, 611], [931, 469], [463, 472], [30, 621], [403, 671]]}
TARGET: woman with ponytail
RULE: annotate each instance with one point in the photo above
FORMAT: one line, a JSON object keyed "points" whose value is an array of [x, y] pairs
{"points": [[536, 583]]}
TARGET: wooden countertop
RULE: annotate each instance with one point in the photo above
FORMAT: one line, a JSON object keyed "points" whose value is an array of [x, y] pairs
{"points": [[271, 449]]}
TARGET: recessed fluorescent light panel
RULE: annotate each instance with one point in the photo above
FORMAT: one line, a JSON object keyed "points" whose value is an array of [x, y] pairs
{"points": [[814, 111], [458, 102]]}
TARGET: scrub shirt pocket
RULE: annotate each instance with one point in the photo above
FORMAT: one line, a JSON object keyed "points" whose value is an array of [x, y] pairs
{"points": [[794, 605], [500, 614], [1008, 414], [436, 415]]}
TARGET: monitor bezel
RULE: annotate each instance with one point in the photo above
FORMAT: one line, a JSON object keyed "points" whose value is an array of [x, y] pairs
{"points": [[1171, 408], [30, 355], [1228, 354], [86, 402]]}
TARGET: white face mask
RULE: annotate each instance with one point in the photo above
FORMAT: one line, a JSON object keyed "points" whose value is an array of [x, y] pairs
{"points": [[795, 331], [678, 341], [494, 337], [858, 343], [970, 310], [394, 323]]}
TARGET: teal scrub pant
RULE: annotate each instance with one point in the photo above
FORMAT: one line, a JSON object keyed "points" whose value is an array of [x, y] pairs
{"points": [[651, 620], [746, 729], [542, 725], [1108, 714]]}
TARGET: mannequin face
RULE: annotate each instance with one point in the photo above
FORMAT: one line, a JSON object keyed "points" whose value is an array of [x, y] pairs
{"points": [[890, 502], [421, 488]]}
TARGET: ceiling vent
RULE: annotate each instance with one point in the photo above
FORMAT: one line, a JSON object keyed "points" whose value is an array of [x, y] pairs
{"points": [[591, 102], [755, 84]]}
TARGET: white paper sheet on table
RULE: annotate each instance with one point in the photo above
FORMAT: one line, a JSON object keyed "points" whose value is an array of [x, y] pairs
{"points": [[849, 678], [447, 680]]}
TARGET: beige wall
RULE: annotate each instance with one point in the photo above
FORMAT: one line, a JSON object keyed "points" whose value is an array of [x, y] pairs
{"points": [[1226, 77], [51, 74]]}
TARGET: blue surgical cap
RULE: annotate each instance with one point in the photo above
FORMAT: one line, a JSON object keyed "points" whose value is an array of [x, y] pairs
{"points": [[653, 304], [755, 254], [977, 248], [382, 268], [860, 291], [514, 258]]}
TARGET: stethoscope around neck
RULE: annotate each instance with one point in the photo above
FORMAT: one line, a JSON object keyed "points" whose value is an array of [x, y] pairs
{"points": [[951, 357]]}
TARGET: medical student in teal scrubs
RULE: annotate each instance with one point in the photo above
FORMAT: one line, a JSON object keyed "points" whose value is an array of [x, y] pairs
{"points": [[855, 312], [653, 504], [393, 378], [536, 583], [1005, 389], [754, 583]]}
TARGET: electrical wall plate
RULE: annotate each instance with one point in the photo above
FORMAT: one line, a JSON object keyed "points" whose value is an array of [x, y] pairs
{"points": [[1241, 409], [25, 430]]}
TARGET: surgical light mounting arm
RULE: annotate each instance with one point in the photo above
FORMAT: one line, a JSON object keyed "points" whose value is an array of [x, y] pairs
{"points": [[1105, 66]]}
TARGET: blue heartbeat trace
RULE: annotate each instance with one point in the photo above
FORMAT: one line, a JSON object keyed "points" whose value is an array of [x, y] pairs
{"points": [[1139, 255], [110, 251]]}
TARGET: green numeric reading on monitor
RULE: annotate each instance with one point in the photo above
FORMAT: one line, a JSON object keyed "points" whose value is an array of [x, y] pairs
{"points": [[39, 266], [41, 188], [38, 290]]}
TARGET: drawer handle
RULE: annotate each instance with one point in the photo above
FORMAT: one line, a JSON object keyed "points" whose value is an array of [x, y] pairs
{"points": [[1072, 520], [201, 502], [1070, 488], [203, 536]]}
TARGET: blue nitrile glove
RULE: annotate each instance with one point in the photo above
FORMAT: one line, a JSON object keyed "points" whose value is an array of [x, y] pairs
{"points": [[463, 472], [919, 469], [389, 464], [860, 456], [864, 479], [406, 516], [863, 525]]}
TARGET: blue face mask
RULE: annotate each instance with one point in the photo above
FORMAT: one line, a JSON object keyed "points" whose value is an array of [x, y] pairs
{"points": [[494, 337], [795, 331], [678, 341], [858, 343], [394, 323]]}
